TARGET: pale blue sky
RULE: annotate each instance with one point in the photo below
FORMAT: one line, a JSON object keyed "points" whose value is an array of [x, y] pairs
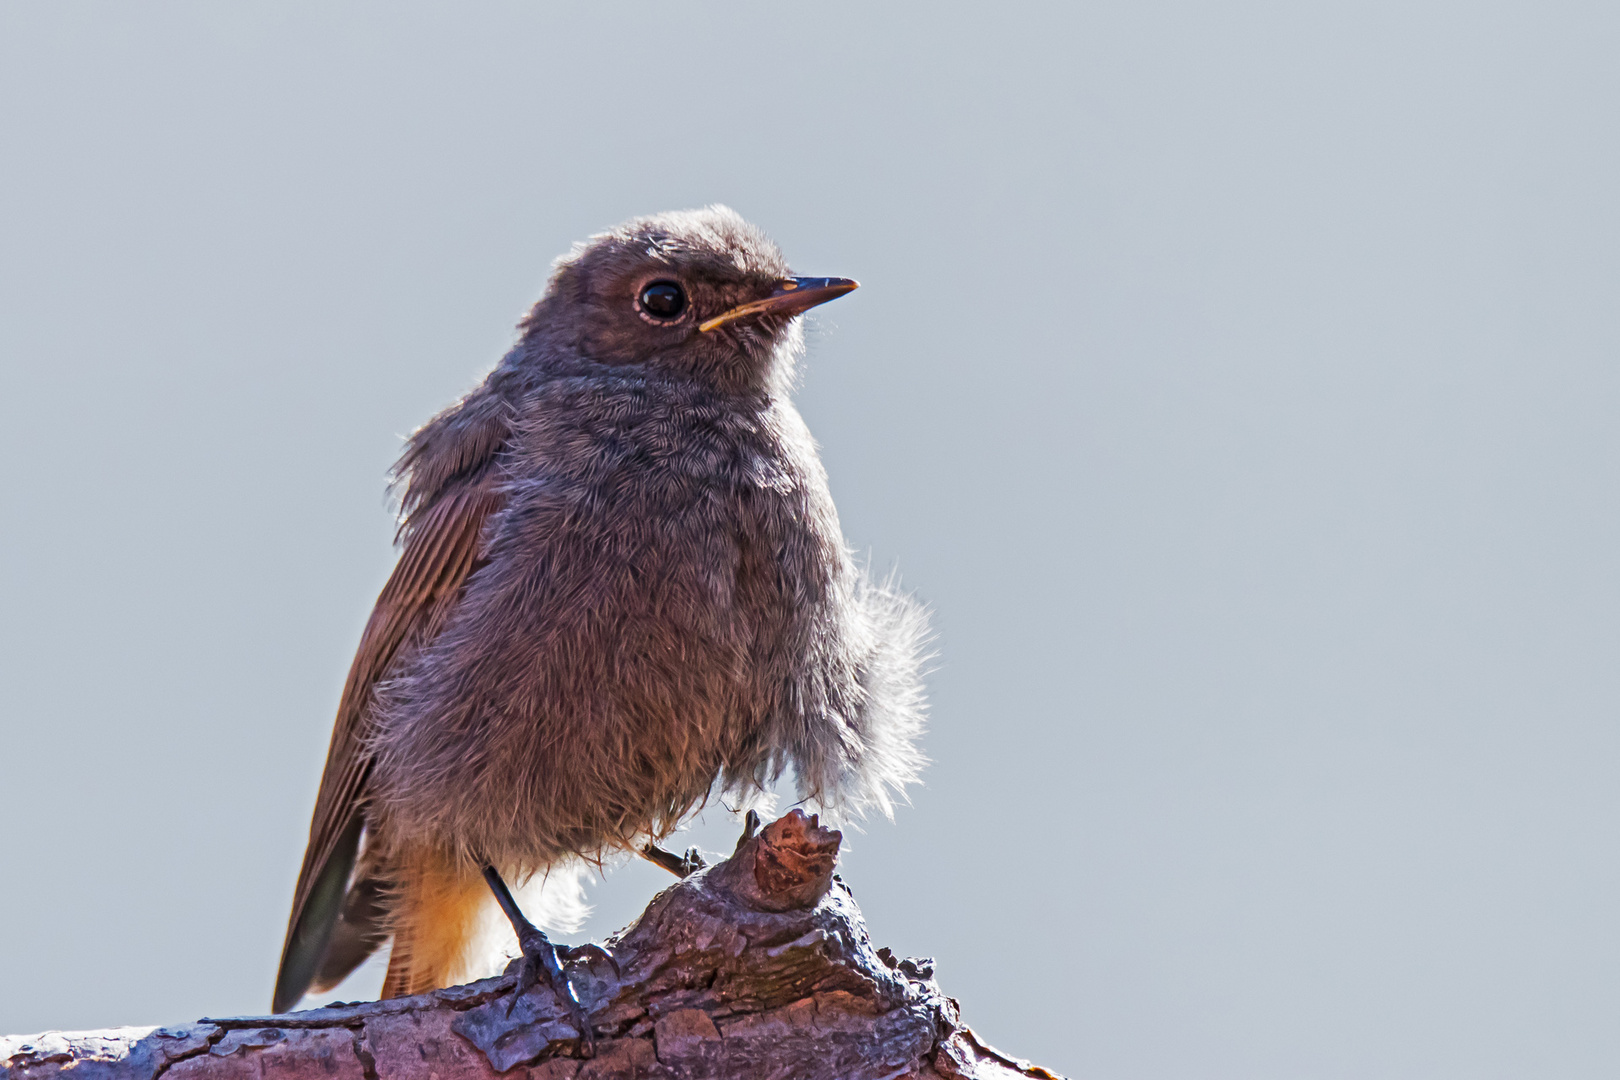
{"points": [[1238, 383]]}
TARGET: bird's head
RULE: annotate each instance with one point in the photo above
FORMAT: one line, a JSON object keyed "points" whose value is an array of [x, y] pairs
{"points": [[700, 292]]}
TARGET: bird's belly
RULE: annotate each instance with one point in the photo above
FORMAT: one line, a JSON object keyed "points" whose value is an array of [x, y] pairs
{"points": [[595, 714]]}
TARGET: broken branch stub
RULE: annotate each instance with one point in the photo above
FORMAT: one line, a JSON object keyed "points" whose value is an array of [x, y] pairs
{"points": [[756, 967]]}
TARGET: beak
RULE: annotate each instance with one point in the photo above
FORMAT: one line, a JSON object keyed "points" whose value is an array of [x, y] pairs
{"points": [[792, 296]]}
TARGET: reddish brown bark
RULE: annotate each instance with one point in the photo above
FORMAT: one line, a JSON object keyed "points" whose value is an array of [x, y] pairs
{"points": [[757, 967]]}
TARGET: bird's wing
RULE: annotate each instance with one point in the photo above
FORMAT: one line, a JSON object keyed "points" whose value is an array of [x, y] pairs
{"points": [[442, 547]]}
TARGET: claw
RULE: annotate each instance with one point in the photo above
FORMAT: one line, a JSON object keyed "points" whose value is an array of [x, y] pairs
{"points": [[750, 828], [579, 953], [693, 860], [539, 956]]}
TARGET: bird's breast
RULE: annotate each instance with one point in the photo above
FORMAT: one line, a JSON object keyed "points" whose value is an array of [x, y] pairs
{"points": [[652, 582]]}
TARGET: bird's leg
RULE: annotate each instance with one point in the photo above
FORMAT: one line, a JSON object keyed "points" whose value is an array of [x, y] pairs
{"points": [[750, 828], [692, 861], [679, 865], [541, 957]]}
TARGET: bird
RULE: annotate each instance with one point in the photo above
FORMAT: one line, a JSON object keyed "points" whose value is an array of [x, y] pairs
{"points": [[622, 590]]}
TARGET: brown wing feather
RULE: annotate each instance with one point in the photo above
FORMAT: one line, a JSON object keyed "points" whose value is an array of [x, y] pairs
{"points": [[442, 548]]}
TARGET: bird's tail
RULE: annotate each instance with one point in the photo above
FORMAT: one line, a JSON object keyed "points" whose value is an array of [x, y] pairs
{"points": [[434, 915]]}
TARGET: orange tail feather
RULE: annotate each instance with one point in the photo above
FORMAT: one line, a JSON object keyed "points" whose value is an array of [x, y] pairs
{"points": [[435, 917]]}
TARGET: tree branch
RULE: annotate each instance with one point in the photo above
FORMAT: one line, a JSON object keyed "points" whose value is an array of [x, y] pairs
{"points": [[756, 967]]}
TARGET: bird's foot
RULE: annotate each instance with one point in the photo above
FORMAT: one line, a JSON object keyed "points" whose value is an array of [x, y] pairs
{"points": [[679, 865], [543, 960], [690, 863]]}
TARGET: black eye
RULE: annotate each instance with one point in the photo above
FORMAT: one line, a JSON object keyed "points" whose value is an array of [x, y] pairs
{"points": [[663, 300]]}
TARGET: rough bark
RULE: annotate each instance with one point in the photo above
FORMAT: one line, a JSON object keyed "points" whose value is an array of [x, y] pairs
{"points": [[756, 967]]}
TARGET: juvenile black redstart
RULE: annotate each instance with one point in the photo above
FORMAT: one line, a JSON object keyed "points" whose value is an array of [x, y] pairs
{"points": [[622, 587]]}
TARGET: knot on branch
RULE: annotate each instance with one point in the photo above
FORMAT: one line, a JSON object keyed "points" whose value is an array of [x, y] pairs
{"points": [[787, 865]]}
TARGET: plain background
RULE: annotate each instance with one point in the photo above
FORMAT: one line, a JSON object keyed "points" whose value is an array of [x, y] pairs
{"points": [[1237, 382]]}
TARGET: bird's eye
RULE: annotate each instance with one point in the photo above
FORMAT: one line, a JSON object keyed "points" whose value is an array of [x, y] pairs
{"points": [[663, 300]]}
